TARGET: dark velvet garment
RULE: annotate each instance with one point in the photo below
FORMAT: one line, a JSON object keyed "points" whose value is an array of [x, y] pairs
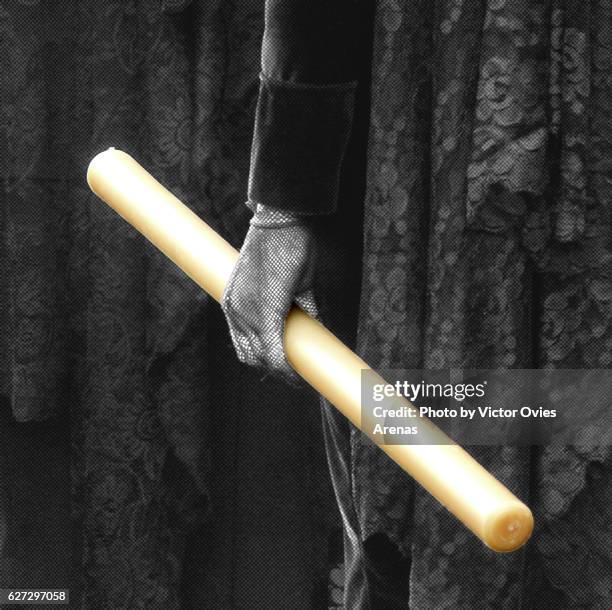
{"points": [[312, 58], [486, 243]]}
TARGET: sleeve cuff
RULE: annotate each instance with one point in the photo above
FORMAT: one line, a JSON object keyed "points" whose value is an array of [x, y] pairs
{"points": [[301, 133]]}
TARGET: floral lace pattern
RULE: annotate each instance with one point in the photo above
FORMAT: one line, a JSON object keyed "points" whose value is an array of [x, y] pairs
{"points": [[486, 240], [96, 322], [487, 245]]}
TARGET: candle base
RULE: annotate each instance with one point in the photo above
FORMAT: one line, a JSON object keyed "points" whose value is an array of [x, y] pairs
{"points": [[508, 529]]}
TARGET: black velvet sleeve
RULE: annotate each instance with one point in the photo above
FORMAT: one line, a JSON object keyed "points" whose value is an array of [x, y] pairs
{"points": [[305, 107]]}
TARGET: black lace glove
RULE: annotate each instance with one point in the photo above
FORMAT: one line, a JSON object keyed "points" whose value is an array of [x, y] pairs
{"points": [[274, 270]]}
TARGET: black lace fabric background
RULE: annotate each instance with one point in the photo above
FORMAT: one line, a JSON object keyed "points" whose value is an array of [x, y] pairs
{"points": [[172, 476], [193, 480]]}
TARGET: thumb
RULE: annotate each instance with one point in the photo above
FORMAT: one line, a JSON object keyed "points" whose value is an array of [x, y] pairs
{"points": [[306, 301]]}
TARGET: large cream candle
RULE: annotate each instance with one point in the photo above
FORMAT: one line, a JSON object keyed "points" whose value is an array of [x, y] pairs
{"points": [[446, 471]]}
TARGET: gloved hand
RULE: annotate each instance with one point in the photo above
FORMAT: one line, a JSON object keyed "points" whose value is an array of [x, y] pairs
{"points": [[274, 270]]}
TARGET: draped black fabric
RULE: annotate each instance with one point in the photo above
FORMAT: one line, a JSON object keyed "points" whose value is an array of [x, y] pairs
{"points": [[486, 242], [193, 480]]}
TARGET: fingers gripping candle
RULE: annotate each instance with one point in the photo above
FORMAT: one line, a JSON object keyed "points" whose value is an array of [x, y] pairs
{"points": [[446, 471]]}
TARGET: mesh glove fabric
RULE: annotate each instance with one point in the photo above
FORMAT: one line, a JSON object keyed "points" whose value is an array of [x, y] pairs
{"points": [[274, 270]]}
